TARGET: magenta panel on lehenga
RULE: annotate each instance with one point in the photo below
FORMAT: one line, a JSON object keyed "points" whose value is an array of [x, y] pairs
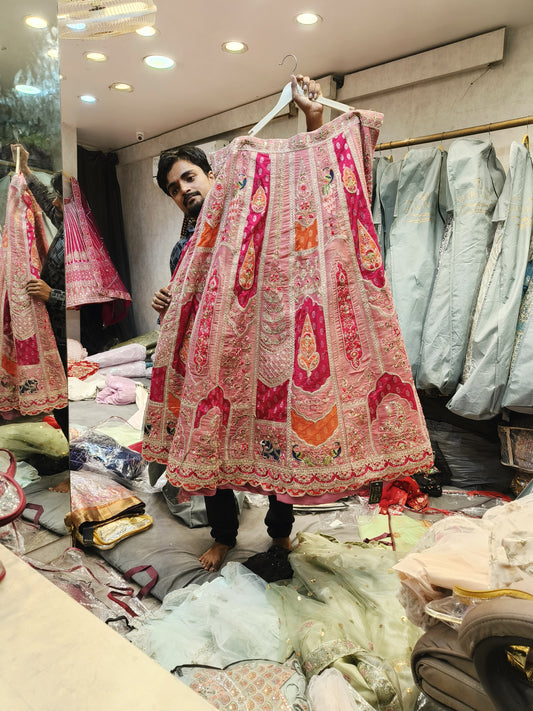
{"points": [[280, 367]]}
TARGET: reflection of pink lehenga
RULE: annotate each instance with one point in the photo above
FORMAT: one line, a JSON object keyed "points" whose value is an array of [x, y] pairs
{"points": [[280, 367], [90, 275], [32, 378]]}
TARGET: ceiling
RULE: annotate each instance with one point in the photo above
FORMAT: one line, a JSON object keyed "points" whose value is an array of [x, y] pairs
{"points": [[205, 80]]}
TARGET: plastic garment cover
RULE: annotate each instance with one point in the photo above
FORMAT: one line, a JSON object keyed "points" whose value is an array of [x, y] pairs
{"points": [[415, 239], [94, 585], [518, 393], [490, 347], [217, 623], [130, 353], [99, 452], [386, 193], [475, 181], [475, 554], [378, 167], [341, 611]]}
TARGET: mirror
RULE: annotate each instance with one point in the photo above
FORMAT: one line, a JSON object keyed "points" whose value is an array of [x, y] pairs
{"points": [[33, 397]]}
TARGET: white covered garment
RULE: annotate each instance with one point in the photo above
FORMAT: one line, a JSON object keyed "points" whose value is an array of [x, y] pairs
{"points": [[330, 691], [220, 622]]}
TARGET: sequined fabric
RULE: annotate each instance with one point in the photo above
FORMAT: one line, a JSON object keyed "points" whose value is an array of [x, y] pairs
{"points": [[281, 367]]}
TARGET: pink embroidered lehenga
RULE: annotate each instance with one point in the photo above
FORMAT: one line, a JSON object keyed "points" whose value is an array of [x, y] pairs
{"points": [[280, 367], [90, 275], [32, 378]]}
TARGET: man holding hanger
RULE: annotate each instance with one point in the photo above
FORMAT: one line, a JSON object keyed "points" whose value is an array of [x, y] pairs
{"points": [[186, 176]]}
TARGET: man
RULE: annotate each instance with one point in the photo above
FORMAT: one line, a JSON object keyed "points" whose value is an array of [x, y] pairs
{"points": [[50, 288], [186, 176]]}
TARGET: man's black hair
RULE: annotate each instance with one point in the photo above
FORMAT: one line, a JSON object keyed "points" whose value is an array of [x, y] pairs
{"points": [[193, 154], [57, 182]]}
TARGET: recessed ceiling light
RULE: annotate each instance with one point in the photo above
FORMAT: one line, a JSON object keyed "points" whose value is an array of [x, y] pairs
{"points": [[234, 47], [95, 56], [27, 89], [87, 98], [53, 52], [121, 86], [156, 61], [76, 26], [147, 31], [36, 23], [308, 18]]}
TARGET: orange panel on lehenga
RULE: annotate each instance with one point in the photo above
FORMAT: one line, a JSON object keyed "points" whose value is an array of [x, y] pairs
{"points": [[315, 433]]}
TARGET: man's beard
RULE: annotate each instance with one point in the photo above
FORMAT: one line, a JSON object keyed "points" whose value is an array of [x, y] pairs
{"points": [[193, 210]]}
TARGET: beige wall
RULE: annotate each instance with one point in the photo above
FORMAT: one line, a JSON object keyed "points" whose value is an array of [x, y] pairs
{"points": [[446, 89]]}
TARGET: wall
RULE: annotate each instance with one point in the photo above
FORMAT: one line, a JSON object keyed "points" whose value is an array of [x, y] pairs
{"points": [[436, 91]]}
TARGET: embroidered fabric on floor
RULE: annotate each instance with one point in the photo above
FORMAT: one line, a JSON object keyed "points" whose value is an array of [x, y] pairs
{"points": [[32, 378], [90, 275], [256, 685], [280, 367]]}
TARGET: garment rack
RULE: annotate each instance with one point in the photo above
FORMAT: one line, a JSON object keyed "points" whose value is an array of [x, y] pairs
{"points": [[458, 133], [41, 170]]}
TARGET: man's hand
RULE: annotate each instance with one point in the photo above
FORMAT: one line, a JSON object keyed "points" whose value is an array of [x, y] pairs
{"points": [[38, 289], [24, 155], [306, 101], [161, 301]]}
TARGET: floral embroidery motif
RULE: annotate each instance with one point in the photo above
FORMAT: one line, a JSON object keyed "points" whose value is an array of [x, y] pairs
{"points": [[368, 249], [349, 180], [352, 344], [247, 271], [308, 357], [259, 200], [206, 319]]}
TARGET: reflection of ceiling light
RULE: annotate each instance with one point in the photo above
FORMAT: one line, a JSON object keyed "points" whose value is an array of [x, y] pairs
{"points": [[27, 89], [308, 18], [36, 23], [95, 56], [87, 98], [146, 31], [234, 47], [121, 86], [158, 62], [53, 52], [76, 26]]}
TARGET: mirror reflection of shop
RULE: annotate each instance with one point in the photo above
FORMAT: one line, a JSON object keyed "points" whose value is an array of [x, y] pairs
{"points": [[33, 384]]}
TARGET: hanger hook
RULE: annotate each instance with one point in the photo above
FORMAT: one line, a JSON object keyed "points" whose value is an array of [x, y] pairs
{"points": [[295, 61]]}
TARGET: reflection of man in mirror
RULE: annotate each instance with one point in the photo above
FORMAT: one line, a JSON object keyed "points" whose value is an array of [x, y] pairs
{"points": [[50, 288], [185, 175]]}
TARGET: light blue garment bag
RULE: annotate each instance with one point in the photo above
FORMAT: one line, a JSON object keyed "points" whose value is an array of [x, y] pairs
{"points": [[491, 342], [378, 166], [475, 181], [386, 193], [414, 242]]}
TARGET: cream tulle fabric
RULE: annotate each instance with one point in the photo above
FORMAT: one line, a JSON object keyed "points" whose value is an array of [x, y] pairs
{"points": [[341, 611]]}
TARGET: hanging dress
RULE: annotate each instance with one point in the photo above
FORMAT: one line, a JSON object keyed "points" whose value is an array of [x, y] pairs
{"points": [[414, 241], [90, 275], [475, 180], [378, 168], [32, 378], [490, 346], [280, 367]]}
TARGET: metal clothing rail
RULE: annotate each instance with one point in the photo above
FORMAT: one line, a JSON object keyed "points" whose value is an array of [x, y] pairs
{"points": [[41, 170], [485, 128]]}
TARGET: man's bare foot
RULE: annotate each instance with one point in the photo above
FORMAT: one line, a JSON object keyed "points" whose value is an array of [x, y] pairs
{"points": [[283, 543], [61, 488], [213, 558]]}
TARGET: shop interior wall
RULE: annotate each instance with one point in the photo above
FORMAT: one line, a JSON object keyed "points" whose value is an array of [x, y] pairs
{"points": [[497, 92]]}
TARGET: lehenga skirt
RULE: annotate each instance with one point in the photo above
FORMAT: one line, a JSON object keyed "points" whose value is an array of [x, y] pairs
{"points": [[32, 378], [280, 367]]}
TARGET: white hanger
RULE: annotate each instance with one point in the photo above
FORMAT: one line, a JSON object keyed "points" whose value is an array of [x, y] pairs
{"points": [[17, 164], [286, 97]]}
